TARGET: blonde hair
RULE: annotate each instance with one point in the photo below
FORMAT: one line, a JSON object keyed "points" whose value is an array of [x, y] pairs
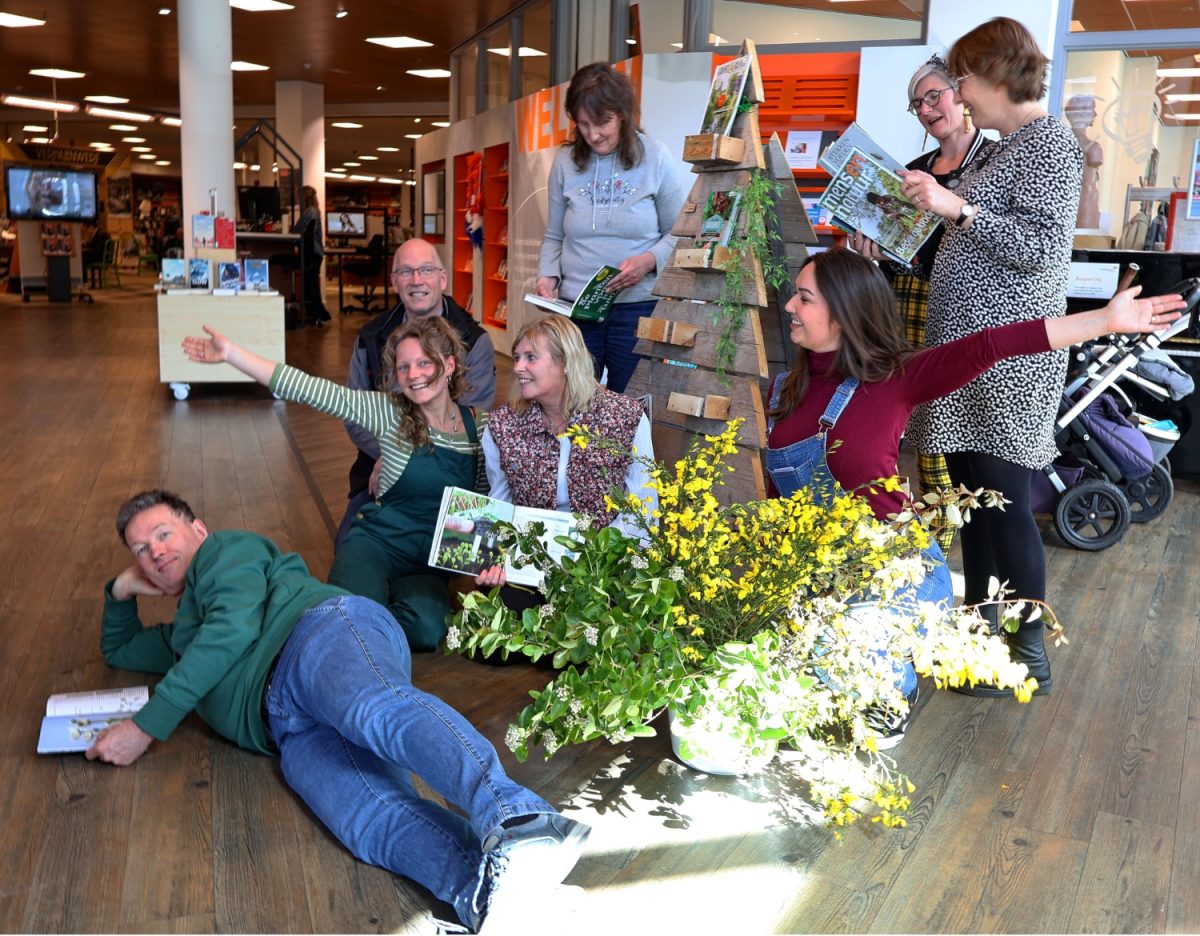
{"points": [[562, 340], [440, 342]]}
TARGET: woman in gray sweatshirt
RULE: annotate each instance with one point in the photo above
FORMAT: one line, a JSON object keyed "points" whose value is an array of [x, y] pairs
{"points": [[614, 195]]}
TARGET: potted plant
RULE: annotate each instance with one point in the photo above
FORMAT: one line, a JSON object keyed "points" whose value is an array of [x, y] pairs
{"points": [[767, 622]]}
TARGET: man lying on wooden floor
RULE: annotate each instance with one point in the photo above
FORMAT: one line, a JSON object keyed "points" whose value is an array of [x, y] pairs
{"points": [[278, 662]]}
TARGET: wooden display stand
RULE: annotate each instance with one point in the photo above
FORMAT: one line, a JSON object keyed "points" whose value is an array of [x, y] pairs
{"points": [[255, 322], [678, 344]]}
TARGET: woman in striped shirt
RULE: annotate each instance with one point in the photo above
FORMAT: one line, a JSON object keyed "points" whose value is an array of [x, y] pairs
{"points": [[428, 442]]}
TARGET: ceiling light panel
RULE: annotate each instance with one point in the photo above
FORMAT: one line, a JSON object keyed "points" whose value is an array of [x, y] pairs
{"points": [[260, 6], [112, 114], [16, 21], [106, 99], [56, 73], [241, 66], [400, 42], [20, 100], [346, 125], [429, 72]]}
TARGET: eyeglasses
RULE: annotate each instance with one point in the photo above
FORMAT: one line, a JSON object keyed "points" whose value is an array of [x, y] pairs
{"points": [[426, 271], [929, 99]]}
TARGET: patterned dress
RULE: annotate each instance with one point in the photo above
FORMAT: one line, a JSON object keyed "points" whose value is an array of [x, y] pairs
{"points": [[1010, 265]]}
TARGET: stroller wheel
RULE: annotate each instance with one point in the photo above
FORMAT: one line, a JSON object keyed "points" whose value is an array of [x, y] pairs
{"points": [[1149, 496], [1092, 515]]}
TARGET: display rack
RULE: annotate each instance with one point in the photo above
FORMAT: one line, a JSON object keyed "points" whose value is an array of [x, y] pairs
{"points": [[462, 285], [495, 236]]}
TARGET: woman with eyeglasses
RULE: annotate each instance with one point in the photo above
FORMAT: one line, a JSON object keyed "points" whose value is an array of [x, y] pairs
{"points": [[933, 99], [428, 441], [1004, 257]]}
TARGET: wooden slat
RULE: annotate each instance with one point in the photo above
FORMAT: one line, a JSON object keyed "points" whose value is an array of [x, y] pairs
{"points": [[1125, 879], [749, 357], [661, 380], [688, 221], [674, 283], [747, 482]]}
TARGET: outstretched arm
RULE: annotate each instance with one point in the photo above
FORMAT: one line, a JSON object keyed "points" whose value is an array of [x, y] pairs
{"points": [[1124, 314], [217, 348]]}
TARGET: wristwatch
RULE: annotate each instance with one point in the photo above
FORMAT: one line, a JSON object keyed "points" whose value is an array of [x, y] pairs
{"points": [[966, 212]]}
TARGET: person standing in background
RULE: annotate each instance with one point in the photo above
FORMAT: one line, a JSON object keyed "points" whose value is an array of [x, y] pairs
{"points": [[614, 196], [312, 252]]}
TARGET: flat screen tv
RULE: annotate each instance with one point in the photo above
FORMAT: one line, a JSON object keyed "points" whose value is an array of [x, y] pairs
{"points": [[346, 223], [259, 205], [50, 194]]}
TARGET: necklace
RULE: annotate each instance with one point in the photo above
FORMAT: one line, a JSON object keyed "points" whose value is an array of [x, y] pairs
{"points": [[451, 418]]}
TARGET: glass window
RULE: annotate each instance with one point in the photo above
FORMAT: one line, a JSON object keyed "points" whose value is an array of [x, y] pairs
{"points": [[656, 26], [1136, 113], [783, 24], [1117, 15], [536, 37], [463, 64], [499, 49]]}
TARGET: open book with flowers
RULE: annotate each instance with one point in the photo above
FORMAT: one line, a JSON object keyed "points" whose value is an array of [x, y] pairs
{"points": [[468, 538], [74, 719]]}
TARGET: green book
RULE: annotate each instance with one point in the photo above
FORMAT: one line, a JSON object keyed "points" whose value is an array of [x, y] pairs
{"points": [[591, 305]]}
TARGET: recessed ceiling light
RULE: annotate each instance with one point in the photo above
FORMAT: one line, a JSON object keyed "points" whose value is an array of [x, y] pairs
{"points": [[164, 11], [147, 156], [34, 128], [341, 12], [118, 114], [524, 51], [133, 139], [413, 136], [16, 21], [106, 99], [139, 149], [124, 128], [400, 42], [382, 149], [38, 139], [239, 165], [631, 41], [20, 100], [248, 66], [260, 6], [346, 125], [335, 175], [162, 162], [1178, 73], [100, 144], [56, 73], [254, 167], [428, 72], [410, 182], [1185, 116], [363, 178], [676, 45], [171, 121], [389, 181], [441, 123], [352, 165], [1170, 97], [368, 158]]}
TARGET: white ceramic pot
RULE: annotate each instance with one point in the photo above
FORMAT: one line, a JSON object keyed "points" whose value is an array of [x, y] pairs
{"points": [[704, 745]]}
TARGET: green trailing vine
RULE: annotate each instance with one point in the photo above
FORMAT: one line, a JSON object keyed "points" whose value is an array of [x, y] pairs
{"points": [[757, 197]]}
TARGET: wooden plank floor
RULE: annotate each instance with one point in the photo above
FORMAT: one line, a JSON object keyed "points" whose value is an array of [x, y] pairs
{"points": [[1077, 813]]}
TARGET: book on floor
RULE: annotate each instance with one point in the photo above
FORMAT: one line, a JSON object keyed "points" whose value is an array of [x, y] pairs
{"points": [[593, 303], [74, 719], [864, 195], [465, 538]]}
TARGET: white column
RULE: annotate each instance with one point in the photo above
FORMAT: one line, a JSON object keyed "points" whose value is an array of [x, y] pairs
{"points": [[206, 108], [300, 120]]}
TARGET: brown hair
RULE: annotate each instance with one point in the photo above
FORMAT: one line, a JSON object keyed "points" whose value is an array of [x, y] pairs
{"points": [[147, 499], [861, 302], [1005, 53], [440, 342], [599, 90]]}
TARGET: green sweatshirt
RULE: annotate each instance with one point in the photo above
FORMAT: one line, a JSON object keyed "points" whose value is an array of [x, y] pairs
{"points": [[241, 599]]}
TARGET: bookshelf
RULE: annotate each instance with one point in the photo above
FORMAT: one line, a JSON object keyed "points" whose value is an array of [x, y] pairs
{"points": [[462, 283], [495, 235]]}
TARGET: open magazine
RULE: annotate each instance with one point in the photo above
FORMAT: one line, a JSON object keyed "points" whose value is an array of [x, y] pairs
{"points": [[465, 539], [74, 719], [866, 195], [593, 303]]}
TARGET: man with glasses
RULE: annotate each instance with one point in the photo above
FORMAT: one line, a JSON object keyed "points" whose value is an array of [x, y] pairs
{"points": [[419, 279]]}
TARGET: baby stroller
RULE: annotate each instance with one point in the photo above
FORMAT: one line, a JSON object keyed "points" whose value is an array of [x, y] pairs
{"points": [[1114, 469]]}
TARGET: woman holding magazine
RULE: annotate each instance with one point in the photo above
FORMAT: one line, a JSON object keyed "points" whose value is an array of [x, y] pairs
{"points": [[428, 441], [837, 416], [1004, 258], [613, 196], [933, 99], [531, 461]]}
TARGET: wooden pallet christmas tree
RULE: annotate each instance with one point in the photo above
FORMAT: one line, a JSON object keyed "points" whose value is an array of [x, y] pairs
{"points": [[717, 331]]}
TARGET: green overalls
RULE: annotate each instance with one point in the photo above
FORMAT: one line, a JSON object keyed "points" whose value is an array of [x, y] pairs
{"points": [[385, 556]]}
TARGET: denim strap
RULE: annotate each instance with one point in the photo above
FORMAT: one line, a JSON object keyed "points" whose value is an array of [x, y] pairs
{"points": [[841, 398]]}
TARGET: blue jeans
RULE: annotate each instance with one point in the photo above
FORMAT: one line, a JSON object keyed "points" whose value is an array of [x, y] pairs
{"points": [[611, 341], [350, 727]]}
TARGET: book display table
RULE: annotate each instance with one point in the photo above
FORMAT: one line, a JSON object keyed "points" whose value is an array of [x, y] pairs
{"points": [[255, 322]]}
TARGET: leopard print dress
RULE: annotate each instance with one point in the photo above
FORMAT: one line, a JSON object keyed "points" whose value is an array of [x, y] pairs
{"points": [[1010, 265]]}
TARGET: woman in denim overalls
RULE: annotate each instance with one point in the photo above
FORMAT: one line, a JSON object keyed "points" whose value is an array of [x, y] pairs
{"points": [[856, 380]]}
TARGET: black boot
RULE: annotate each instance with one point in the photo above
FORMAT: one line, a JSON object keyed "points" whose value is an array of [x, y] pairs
{"points": [[1026, 646]]}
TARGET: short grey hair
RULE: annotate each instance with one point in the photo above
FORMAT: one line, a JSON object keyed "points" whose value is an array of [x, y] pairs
{"points": [[935, 66]]}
